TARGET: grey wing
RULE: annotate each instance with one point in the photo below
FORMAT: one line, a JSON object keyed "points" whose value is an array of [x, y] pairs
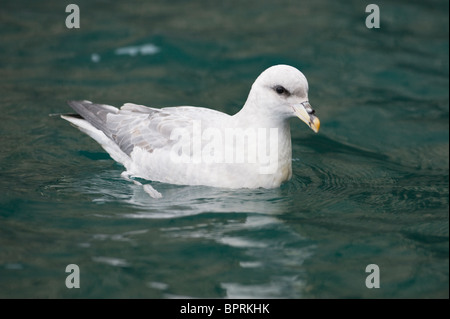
{"points": [[132, 125]]}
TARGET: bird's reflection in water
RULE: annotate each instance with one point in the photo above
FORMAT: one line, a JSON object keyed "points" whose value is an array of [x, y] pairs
{"points": [[248, 223]]}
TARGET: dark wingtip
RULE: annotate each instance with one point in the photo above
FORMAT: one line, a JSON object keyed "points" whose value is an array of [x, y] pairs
{"points": [[79, 106], [66, 114], [75, 102]]}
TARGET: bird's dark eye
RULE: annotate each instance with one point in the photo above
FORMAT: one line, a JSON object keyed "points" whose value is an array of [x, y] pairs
{"points": [[281, 90]]}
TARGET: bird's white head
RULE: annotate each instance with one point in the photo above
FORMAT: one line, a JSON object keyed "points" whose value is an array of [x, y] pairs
{"points": [[281, 92]]}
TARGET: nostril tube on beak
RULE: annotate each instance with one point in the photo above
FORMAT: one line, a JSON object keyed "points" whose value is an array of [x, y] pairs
{"points": [[308, 108]]}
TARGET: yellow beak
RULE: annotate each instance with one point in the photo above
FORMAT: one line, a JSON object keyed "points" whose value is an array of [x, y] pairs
{"points": [[305, 113]]}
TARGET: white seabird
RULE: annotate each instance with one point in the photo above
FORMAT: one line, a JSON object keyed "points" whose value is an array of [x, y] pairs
{"points": [[188, 145]]}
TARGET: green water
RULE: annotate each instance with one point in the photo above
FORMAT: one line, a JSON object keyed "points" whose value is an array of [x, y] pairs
{"points": [[371, 188]]}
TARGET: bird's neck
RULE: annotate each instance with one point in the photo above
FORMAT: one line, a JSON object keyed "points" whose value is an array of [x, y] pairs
{"points": [[254, 114]]}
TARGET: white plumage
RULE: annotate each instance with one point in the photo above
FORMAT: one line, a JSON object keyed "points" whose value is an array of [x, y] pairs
{"points": [[199, 146]]}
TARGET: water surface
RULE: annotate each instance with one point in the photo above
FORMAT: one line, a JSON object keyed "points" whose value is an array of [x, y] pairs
{"points": [[370, 188]]}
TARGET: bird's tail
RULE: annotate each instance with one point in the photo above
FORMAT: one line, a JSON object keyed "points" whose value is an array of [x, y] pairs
{"points": [[91, 119]]}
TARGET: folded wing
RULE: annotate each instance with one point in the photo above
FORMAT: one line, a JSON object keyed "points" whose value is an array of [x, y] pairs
{"points": [[136, 125]]}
